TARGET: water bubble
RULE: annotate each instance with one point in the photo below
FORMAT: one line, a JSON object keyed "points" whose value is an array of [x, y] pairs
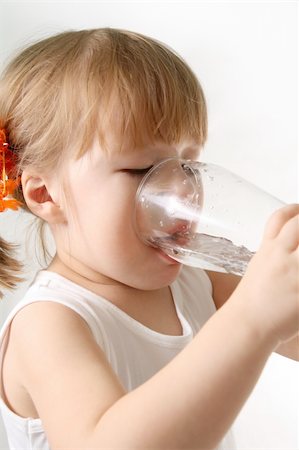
{"points": [[198, 198], [142, 199], [161, 223]]}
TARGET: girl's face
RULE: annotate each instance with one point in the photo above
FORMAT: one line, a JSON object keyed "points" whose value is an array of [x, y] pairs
{"points": [[98, 240]]}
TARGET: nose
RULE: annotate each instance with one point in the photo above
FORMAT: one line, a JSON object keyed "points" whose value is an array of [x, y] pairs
{"points": [[181, 180], [173, 174], [178, 231]]}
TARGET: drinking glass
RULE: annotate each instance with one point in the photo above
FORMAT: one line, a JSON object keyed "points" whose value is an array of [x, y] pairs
{"points": [[202, 215]]}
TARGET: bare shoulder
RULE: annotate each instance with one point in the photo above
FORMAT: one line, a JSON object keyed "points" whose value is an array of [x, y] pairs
{"points": [[223, 285], [63, 370]]}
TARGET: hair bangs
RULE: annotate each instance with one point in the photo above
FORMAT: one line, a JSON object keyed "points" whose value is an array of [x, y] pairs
{"points": [[123, 88], [140, 92]]}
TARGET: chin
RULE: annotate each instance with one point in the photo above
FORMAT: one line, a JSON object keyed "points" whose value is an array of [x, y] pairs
{"points": [[160, 277]]}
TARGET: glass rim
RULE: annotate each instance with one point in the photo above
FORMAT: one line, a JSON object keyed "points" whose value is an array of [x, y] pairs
{"points": [[160, 163]]}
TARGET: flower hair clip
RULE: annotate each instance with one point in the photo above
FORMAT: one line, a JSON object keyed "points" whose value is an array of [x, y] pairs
{"points": [[8, 183]]}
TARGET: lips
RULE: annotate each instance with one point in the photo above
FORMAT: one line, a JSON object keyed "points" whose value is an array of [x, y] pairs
{"points": [[166, 257]]}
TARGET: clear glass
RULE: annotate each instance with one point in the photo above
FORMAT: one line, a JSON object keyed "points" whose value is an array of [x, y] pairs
{"points": [[202, 215]]}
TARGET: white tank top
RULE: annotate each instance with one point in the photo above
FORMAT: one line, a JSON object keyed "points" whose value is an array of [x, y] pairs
{"points": [[124, 340]]}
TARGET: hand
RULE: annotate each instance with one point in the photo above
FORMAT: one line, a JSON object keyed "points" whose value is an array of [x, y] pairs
{"points": [[270, 286]]}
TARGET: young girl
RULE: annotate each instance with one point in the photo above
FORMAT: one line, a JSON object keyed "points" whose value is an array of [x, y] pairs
{"points": [[115, 345]]}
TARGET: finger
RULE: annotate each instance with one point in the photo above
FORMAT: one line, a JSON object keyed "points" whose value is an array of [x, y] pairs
{"points": [[289, 233], [278, 219]]}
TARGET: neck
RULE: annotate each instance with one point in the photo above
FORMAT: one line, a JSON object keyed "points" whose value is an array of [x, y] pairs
{"points": [[100, 284], [154, 309]]}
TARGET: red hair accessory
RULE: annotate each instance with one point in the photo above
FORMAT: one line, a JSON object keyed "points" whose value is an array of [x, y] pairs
{"points": [[8, 183]]}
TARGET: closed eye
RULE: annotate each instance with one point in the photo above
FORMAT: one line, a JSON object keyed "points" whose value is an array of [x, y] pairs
{"points": [[137, 171]]}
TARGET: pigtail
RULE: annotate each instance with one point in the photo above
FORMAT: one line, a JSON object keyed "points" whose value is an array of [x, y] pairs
{"points": [[9, 185], [10, 267]]}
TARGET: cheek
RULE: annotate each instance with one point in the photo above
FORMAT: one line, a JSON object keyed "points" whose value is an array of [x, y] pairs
{"points": [[103, 211], [111, 212]]}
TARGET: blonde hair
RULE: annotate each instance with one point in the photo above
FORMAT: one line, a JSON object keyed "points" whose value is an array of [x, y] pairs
{"points": [[60, 93]]}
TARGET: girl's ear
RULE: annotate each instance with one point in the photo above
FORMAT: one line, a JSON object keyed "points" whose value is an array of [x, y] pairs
{"points": [[39, 199]]}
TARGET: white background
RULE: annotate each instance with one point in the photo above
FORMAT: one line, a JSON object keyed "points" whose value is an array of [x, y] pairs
{"points": [[245, 55]]}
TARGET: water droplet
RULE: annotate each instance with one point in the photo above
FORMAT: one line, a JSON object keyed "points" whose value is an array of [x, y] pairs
{"points": [[142, 199], [161, 223]]}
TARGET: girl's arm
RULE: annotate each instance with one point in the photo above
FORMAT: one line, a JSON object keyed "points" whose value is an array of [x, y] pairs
{"points": [[192, 402], [189, 404]]}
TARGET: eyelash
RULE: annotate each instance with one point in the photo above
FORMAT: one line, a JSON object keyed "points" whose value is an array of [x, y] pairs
{"points": [[137, 172]]}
